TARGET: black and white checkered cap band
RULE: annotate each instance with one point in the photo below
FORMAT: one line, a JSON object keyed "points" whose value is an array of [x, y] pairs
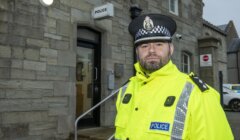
{"points": [[156, 30], [153, 38]]}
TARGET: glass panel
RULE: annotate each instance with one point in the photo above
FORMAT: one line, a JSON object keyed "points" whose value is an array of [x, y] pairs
{"points": [[172, 5], [185, 63], [84, 77], [185, 59], [186, 68], [236, 87]]}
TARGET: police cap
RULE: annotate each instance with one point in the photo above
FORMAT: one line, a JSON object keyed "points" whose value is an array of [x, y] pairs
{"points": [[152, 27]]}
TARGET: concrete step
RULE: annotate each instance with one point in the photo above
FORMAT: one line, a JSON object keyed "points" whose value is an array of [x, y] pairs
{"points": [[96, 133]]}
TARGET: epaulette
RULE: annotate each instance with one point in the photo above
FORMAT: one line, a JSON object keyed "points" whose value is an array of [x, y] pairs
{"points": [[201, 85]]}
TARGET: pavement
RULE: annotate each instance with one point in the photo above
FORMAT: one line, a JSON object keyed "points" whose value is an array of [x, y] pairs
{"points": [[97, 133], [234, 121]]}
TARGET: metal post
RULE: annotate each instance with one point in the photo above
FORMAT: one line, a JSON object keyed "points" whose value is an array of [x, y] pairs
{"points": [[221, 86], [238, 70]]}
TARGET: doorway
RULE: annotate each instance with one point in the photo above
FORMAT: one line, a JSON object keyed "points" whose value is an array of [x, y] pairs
{"points": [[88, 75]]}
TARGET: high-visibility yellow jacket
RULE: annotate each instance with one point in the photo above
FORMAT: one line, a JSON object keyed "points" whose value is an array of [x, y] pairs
{"points": [[169, 105]]}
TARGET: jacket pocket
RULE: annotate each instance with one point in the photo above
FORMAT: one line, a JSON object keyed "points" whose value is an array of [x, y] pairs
{"points": [[159, 124], [122, 116], [121, 121]]}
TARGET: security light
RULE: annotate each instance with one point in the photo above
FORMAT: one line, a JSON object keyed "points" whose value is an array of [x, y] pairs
{"points": [[46, 2], [179, 36]]}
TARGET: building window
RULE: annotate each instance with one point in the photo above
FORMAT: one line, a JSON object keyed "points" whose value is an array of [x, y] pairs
{"points": [[173, 6], [186, 62]]}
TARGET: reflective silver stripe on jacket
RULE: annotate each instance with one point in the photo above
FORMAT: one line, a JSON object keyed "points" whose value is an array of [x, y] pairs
{"points": [[180, 112]]}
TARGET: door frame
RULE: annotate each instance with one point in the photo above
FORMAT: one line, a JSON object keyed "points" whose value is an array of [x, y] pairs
{"points": [[96, 46]]}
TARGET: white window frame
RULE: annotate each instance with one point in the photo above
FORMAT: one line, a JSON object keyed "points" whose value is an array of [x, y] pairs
{"points": [[173, 6], [184, 54]]}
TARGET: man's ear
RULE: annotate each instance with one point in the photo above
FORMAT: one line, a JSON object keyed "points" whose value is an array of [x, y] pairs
{"points": [[137, 56], [136, 50], [171, 48]]}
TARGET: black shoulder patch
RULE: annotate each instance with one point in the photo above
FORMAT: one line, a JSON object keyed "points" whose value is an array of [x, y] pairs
{"points": [[201, 85]]}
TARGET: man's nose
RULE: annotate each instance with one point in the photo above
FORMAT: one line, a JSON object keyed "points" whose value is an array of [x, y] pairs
{"points": [[151, 47]]}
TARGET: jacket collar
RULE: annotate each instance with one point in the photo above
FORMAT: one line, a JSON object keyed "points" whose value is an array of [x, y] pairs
{"points": [[167, 70]]}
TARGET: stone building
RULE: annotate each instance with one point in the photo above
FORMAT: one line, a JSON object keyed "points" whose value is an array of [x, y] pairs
{"points": [[213, 41], [225, 43], [233, 52], [230, 30], [233, 55], [58, 61]]}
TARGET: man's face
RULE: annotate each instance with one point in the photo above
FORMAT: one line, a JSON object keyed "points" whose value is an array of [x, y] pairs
{"points": [[154, 55]]}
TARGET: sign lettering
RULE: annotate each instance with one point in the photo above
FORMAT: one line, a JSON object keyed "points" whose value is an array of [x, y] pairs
{"points": [[103, 11], [159, 126]]}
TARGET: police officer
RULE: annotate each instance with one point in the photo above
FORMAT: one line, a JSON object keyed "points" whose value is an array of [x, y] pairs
{"points": [[160, 102]]}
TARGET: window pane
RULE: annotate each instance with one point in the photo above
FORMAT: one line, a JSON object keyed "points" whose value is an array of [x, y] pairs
{"points": [[186, 68], [185, 62], [236, 87], [172, 5], [185, 59]]}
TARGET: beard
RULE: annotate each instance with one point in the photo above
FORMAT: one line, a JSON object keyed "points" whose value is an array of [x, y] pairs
{"points": [[152, 66]]}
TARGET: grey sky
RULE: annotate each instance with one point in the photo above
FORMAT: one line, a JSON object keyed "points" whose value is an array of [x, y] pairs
{"points": [[220, 12]]}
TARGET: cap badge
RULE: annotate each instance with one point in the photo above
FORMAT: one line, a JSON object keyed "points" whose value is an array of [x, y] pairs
{"points": [[148, 23]]}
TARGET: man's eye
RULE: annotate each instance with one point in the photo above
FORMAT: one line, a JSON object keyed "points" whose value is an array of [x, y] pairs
{"points": [[159, 44], [144, 46]]}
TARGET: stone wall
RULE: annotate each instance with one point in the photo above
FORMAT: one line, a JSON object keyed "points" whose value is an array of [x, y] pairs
{"points": [[37, 65], [221, 54], [233, 67]]}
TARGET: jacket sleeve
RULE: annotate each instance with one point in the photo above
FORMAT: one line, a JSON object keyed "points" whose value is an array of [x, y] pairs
{"points": [[207, 118], [119, 98], [121, 94]]}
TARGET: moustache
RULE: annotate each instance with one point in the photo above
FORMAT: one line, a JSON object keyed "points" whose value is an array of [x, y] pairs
{"points": [[152, 55]]}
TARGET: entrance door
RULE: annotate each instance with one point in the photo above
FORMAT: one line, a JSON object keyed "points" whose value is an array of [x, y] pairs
{"points": [[88, 78]]}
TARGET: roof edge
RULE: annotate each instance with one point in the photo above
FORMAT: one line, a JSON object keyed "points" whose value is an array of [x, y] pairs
{"points": [[214, 27]]}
